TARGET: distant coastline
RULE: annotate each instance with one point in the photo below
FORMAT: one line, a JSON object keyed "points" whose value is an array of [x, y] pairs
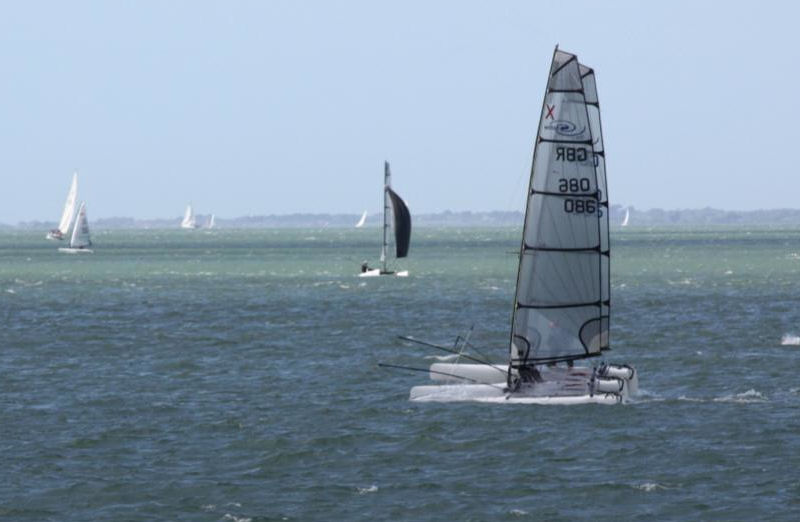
{"points": [[638, 218]]}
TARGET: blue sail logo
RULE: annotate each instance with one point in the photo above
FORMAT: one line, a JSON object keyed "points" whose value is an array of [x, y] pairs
{"points": [[565, 128]]}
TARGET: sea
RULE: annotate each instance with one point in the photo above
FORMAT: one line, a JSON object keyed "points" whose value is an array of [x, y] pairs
{"points": [[233, 375]]}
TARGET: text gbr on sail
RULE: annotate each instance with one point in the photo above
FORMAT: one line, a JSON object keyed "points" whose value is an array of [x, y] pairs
{"points": [[571, 154]]}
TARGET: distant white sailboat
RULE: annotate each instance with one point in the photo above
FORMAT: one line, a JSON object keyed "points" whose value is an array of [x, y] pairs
{"points": [[189, 220], [210, 223], [80, 241], [626, 218], [68, 213], [362, 220], [402, 229]]}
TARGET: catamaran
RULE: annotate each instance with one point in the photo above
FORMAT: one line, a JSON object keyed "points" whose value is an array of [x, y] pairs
{"points": [[189, 220], [80, 241], [402, 229], [561, 304], [68, 213], [362, 220]]}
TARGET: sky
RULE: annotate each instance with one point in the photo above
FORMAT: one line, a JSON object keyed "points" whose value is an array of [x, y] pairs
{"points": [[278, 107]]}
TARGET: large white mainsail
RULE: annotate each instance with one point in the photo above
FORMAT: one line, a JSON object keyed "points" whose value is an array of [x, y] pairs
{"points": [[188, 218], [68, 212], [562, 298], [80, 240]]}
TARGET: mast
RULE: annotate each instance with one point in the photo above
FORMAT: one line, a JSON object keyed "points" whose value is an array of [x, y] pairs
{"points": [[386, 185]]}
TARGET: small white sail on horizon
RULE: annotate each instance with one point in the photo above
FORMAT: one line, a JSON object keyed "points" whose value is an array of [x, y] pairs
{"points": [[68, 213], [80, 240], [362, 220], [211, 222], [189, 220], [626, 218]]}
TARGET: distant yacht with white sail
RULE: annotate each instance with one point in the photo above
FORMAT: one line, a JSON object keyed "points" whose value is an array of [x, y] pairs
{"points": [[362, 220], [211, 222], [68, 213], [189, 220], [626, 218], [402, 229], [80, 241], [562, 298]]}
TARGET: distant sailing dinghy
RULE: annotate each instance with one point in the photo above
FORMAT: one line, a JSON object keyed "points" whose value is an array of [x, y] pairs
{"points": [[68, 213], [189, 220], [402, 229], [561, 305], [362, 220], [80, 241]]}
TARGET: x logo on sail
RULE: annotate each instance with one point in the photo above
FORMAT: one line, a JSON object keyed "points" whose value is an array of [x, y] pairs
{"points": [[550, 110]]}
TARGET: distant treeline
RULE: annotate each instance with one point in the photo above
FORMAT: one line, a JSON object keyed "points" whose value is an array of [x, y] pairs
{"points": [[638, 218]]}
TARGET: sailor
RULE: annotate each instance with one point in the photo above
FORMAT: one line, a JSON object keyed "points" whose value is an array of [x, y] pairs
{"points": [[364, 267]]}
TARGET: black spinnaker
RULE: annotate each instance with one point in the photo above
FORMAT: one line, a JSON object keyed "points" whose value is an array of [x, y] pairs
{"points": [[402, 224]]}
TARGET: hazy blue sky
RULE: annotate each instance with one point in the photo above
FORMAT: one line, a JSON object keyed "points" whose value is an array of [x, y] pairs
{"points": [[291, 106]]}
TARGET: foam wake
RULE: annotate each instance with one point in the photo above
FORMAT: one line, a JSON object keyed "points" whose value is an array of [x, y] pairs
{"points": [[789, 339]]}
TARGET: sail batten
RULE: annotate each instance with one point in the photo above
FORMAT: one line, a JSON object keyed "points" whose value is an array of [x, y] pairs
{"points": [[560, 304]]}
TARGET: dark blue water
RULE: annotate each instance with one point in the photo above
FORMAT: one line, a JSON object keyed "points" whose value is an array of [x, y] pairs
{"points": [[233, 375]]}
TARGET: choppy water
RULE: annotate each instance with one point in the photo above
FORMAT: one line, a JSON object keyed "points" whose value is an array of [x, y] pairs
{"points": [[231, 375]]}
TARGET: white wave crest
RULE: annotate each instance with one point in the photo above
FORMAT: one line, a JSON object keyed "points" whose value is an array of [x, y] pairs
{"points": [[749, 396], [790, 339], [649, 486], [518, 512], [234, 518], [690, 399], [372, 489]]}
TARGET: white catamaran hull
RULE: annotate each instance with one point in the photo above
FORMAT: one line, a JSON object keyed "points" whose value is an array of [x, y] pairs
{"points": [[496, 394], [76, 250], [609, 384], [375, 272]]}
